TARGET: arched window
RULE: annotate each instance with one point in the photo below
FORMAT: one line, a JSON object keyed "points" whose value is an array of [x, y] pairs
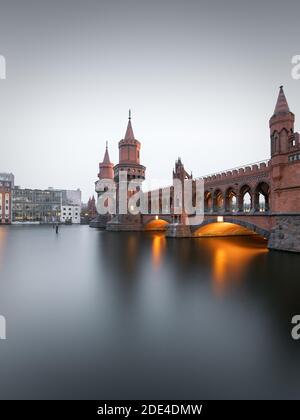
{"points": [[231, 200], [261, 197], [207, 201], [218, 201], [245, 199], [247, 202]]}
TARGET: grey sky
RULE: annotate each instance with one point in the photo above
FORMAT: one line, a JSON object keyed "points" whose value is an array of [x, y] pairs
{"points": [[201, 78]]}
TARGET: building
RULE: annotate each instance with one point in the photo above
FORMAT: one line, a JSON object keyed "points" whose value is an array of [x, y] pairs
{"points": [[91, 208], [70, 214], [6, 185], [71, 207], [9, 177], [45, 206]]}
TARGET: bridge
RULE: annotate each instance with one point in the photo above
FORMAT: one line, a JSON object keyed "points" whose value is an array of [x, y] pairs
{"points": [[239, 196], [262, 198]]}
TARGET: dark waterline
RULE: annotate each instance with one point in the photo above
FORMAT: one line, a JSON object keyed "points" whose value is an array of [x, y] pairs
{"points": [[93, 314]]}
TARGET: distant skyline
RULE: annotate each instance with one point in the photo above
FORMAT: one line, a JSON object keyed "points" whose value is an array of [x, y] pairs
{"points": [[201, 79]]}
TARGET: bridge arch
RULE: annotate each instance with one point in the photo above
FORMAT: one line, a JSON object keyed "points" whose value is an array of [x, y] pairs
{"points": [[157, 223], [228, 227]]}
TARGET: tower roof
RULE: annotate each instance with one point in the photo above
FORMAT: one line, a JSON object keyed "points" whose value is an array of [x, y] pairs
{"points": [[129, 131], [106, 158], [281, 104]]}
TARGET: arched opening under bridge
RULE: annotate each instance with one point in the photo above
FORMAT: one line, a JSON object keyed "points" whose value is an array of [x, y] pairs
{"points": [[228, 228], [156, 224]]}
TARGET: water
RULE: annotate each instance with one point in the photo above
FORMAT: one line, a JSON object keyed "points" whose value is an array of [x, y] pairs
{"points": [[93, 314]]}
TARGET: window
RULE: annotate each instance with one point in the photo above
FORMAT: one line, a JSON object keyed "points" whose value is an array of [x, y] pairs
{"points": [[293, 158]]}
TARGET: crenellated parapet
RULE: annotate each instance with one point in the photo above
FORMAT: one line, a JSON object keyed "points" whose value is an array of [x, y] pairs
{"points": [[250, 172]]}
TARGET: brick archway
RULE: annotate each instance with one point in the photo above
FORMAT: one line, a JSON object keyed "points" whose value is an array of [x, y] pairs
{"points": [[251, 227], [231, 199], [218, 200], [262, 189], [156, 223], [243, 192]]}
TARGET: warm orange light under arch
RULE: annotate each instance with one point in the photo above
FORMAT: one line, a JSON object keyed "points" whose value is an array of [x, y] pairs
{"points": [[223, 229], [157, 224]]}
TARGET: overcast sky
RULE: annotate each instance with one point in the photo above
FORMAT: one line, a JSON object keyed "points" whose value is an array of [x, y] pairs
{"points": [[201, 78]]}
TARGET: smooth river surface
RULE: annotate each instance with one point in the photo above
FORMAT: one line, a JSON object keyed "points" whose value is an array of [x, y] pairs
{"points": [[98, 315]]}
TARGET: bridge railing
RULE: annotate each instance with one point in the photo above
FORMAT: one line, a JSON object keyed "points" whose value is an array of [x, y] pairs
{"points": [[238, 170]]}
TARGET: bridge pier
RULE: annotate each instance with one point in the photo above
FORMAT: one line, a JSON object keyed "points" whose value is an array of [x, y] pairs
{"points": [[178, 230], [285, 236], [100, 221], [125, 223]]}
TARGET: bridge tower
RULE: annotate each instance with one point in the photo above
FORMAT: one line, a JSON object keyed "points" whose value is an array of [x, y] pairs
{"points": [[180, 172], [105, 172], [129, 162], [285, 158], [281, 127], [129, 156]]}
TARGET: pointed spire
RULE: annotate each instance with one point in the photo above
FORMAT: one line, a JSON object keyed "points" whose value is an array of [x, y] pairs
{"points": [[106, 158], [281, 104], [129, 131]]}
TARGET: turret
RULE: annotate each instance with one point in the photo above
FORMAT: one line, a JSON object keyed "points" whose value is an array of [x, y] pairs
{"points": [[281, 125], [106, 170], [180, 172], [129, 156], [285, 158]]}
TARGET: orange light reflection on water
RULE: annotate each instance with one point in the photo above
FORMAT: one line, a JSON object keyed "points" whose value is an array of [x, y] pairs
{"points": [[158, 248], [3, 235], [231, 257]]}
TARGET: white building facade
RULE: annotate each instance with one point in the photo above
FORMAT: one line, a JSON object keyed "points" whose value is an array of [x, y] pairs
{"points": [[70, 213]]}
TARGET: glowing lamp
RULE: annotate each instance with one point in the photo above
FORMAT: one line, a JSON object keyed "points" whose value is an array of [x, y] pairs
{"points": [[156, 217], [220, 219]]}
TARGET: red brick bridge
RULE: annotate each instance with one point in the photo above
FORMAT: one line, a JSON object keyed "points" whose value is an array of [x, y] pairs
{"points": [[261, 198]]}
